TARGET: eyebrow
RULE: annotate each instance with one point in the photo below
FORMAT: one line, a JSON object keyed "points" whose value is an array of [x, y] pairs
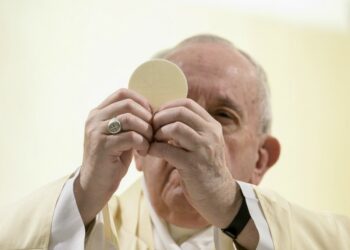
{"points": [[227, 102]]}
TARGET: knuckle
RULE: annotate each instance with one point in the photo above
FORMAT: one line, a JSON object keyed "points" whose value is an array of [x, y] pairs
{"points": [[125, 105], [87, 132], [127, 119], [177, 127], [128, 103], [148, 117], [188, 103], [91, 117], [88, 122], [121, 93], [180, 112], [92, 112], [134, 136]]}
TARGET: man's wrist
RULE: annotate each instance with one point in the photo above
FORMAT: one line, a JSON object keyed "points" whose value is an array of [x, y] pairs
{"points": [[239, 221], [85, 209]]}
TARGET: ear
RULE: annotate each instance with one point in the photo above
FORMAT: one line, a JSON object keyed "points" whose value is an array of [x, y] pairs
{"points": [[269, 153]]}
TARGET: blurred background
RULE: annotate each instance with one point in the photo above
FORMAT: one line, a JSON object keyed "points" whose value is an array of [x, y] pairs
{"points": [[60, 59]]}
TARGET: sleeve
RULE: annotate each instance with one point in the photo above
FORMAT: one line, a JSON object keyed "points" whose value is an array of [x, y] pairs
{"points": [[294, 227], [254, 207], [223, 242], [284, 225], [68, 230], [26, 223]]}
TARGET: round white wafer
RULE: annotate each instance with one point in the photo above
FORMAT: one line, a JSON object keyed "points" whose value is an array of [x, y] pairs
{"points": [[160, 81]]}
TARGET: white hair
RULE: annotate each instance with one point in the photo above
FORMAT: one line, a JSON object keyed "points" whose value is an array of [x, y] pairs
{"points": [[264, 94]]}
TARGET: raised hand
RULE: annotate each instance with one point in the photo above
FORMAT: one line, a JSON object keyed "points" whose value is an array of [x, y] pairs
{"points": [[106, 156], [197, 151]]}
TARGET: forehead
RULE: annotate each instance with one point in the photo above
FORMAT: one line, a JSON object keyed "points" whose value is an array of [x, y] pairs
{"points": [[217, 73]]}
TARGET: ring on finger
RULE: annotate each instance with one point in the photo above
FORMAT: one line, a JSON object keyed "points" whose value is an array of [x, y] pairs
{"points": [[114, 126]]}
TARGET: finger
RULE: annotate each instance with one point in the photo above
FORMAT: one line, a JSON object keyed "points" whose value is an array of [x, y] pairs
{"points": [[190, 104], [125, 141], [122, 94], [126, 157], [180, 133], [142, 152], [130, 122], [124, 106], [175, 156], [180, 113]]}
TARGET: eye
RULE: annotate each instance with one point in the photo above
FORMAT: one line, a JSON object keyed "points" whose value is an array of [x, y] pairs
{"points": [[223, 114], [227, 119]]}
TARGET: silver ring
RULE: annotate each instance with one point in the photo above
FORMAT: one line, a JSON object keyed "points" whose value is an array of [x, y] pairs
{"points": [[114, 126]]}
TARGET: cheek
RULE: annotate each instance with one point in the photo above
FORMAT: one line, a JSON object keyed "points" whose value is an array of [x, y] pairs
{"points": [[241, 157]]}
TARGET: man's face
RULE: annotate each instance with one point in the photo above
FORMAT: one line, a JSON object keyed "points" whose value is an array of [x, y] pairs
{"points": [[224, 83]]}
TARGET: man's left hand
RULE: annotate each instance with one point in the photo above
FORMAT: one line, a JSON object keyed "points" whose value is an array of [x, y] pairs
{"points": [[192, 141]]}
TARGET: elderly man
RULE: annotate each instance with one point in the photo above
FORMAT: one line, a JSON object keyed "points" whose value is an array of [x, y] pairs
{"points": [[197, 156]]}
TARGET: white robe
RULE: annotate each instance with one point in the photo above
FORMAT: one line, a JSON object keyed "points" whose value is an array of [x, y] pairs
{"points": [[67, 230], [125, 223]]}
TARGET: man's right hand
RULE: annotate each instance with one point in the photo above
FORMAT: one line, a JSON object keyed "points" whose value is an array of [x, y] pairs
{"points": [[107, 157]]}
